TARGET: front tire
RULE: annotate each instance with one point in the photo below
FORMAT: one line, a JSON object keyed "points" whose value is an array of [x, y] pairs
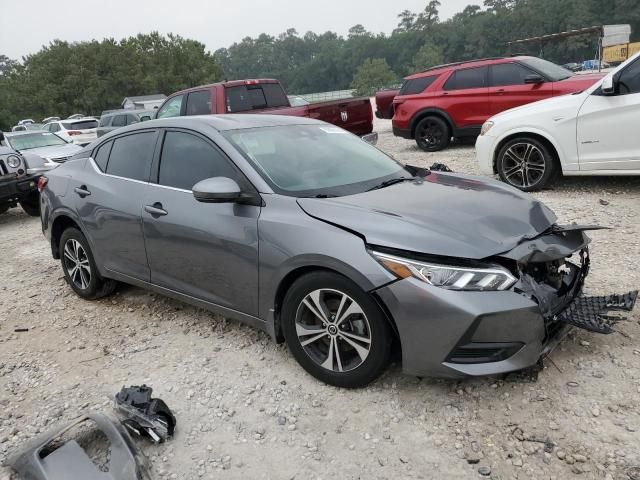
{"points": [[335, 330], [432, 134], [79, 267], [526, 163]]}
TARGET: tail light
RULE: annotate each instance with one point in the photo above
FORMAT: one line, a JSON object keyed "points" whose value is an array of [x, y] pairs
{"points": [[42, 182], [73, 132]]}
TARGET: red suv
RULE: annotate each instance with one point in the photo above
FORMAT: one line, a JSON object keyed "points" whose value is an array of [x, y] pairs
{"points": [[455, 100]]}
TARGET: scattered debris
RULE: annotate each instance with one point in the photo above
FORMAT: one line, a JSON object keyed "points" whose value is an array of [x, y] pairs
{"points": [[604, 202], [20, 330], [591, 313], [143, 415], [440, 167], [91, 448]]}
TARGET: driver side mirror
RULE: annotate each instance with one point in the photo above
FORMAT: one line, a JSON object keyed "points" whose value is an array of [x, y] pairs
{"points": [[608, 86], [217, 190], [533, 79]]}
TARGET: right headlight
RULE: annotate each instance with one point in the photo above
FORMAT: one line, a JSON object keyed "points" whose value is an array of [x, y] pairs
{"points": [[450, 277], [486, 126]]}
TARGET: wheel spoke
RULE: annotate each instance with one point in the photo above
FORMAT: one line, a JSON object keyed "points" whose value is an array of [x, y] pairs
{"points": [[513, 154], [338, 313], [358, 338], [69, 253], [362, 352], [328, 363], [353, 309], [304, 330], [313, 339], [512, 171], [316, 306], [338, 358], [84, 281], [536, 167]]}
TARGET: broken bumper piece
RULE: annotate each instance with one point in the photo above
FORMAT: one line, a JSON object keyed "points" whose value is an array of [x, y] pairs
{"points": [[143, 415], [592, 313], [91, 448]]}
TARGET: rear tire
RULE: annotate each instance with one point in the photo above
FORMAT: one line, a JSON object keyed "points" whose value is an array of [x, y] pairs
{"points": [[335, 330], [79, 267], [432, 134], [527, 164], [31, 205]]}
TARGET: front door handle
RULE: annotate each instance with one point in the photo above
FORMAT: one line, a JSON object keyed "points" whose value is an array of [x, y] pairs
{"points": [[82, 191], [156, 210]]}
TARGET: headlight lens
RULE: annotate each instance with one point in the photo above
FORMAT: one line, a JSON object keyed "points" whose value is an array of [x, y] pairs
{"points": [[486, 126], [448, 276], [13, 161]]}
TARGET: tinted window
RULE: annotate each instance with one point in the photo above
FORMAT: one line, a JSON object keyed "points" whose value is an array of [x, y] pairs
{"points": [[131, 156], [251, 97], [416, 85], [172, 108], [119, 121], [467, 78], [131, 119], [550, 70], [54, 127], [101, 155], [105, 121], [509, 74], [629, 81], [199, 103], [83, 125], [187, 159]]}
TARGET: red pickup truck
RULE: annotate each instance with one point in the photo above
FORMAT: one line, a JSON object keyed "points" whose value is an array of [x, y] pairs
{"points": [[266, 96]]}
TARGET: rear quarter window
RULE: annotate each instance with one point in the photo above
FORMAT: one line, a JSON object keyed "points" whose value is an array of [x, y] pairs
{"points": [[131, 156], [417, 85]]}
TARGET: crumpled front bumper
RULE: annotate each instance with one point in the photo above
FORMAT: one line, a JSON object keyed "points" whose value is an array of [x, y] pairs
{"points": [[447, 333]]}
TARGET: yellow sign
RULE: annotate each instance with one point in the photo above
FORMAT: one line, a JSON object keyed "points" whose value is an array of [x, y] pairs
{"points": [[619, 53]]}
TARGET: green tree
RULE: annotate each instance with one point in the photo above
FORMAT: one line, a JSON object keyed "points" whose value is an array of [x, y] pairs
{"points": [[428, 56], [372, 75]]}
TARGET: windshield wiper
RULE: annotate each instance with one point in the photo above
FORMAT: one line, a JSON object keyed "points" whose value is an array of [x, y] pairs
{"points": [[393, 181]]}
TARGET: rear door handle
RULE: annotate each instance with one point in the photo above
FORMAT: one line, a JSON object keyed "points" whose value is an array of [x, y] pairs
{"points": [[82, 191], [156, 210]]}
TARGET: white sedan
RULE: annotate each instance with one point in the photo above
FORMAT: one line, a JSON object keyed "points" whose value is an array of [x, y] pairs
{"points": [[594, 132], [80, 131]]}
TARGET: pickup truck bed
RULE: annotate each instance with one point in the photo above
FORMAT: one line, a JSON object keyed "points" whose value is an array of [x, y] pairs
{"points": [[268, 97]]}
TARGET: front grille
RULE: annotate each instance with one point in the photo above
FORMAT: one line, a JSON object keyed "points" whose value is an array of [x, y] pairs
{"points": [[483, 352]]}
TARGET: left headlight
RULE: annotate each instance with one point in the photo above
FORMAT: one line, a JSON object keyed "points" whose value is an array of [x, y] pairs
{"points": [[13, 161], [450, 277], [486, 126]]}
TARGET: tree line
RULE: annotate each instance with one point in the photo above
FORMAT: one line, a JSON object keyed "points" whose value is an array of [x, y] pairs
{"points": [[89, 77]]}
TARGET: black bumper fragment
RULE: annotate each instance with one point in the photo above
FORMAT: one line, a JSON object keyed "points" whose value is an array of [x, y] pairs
{"points": [[143, 415], [591, 313]]}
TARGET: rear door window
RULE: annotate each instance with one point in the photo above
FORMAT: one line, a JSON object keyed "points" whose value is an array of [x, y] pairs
{"points": [[119, 121], [467, 79], [101, 155], [244, 98], [199, 103], [172, 108], [105, 121], [187, 159], [505, 74], [416, 85], [131, 156], [54, 127]]}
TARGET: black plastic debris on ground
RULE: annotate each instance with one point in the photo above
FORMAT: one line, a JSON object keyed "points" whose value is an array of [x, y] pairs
{"points": [[144, 416], [440, 167], [592, 313]]}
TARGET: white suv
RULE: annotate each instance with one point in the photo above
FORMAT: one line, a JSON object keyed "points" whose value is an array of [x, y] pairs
{"points": [[80, 131], [594, 132]]}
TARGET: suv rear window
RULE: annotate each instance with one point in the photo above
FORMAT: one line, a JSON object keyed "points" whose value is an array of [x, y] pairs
{"points": [[467, 78], [416, 85], [244, 98], [83, 125]]}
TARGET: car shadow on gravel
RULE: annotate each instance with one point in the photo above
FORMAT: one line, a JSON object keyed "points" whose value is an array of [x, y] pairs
{"points": [[604, 184]]}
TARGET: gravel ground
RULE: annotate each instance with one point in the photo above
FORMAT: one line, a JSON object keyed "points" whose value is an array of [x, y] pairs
{"points": [[246, 410]]}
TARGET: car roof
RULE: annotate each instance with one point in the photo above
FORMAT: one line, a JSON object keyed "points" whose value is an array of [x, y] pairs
{"points": [[125, 110], [220, 123], [481, 62]]}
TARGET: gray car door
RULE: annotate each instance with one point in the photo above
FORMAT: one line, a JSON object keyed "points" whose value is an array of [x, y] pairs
{"points": [[109, 196], [205, 250]]}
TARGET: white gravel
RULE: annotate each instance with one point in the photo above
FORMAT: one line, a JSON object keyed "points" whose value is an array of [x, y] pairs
{"points": [[246, 410]]}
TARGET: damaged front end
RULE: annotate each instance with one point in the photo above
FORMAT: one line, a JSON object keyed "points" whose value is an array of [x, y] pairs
{"points": [[552, 269]]}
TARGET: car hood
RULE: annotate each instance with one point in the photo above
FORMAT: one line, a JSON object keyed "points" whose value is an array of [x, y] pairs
{"points": [[567, 105], [449, 215], [55, 151], [576, 83]]}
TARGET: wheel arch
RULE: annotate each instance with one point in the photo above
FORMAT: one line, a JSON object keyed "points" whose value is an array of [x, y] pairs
{"points": [[60, 223], [292, 276], [535, 134], [431, 112]]}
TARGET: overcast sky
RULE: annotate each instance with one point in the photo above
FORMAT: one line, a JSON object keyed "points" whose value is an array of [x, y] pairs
{"points": [[26, 25]]}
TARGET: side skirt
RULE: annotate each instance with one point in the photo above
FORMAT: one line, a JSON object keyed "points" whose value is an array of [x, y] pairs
{"points": [[250, 320]]}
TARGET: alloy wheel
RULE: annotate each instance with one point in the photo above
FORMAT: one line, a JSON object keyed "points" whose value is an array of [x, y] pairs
{"points": [[333, 330], [77, 264], [431, 134], [523, 165]]}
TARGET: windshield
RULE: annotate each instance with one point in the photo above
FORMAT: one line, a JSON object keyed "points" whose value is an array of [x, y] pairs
{"points": [[34, 140], [314, 160], [550, 70]]}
